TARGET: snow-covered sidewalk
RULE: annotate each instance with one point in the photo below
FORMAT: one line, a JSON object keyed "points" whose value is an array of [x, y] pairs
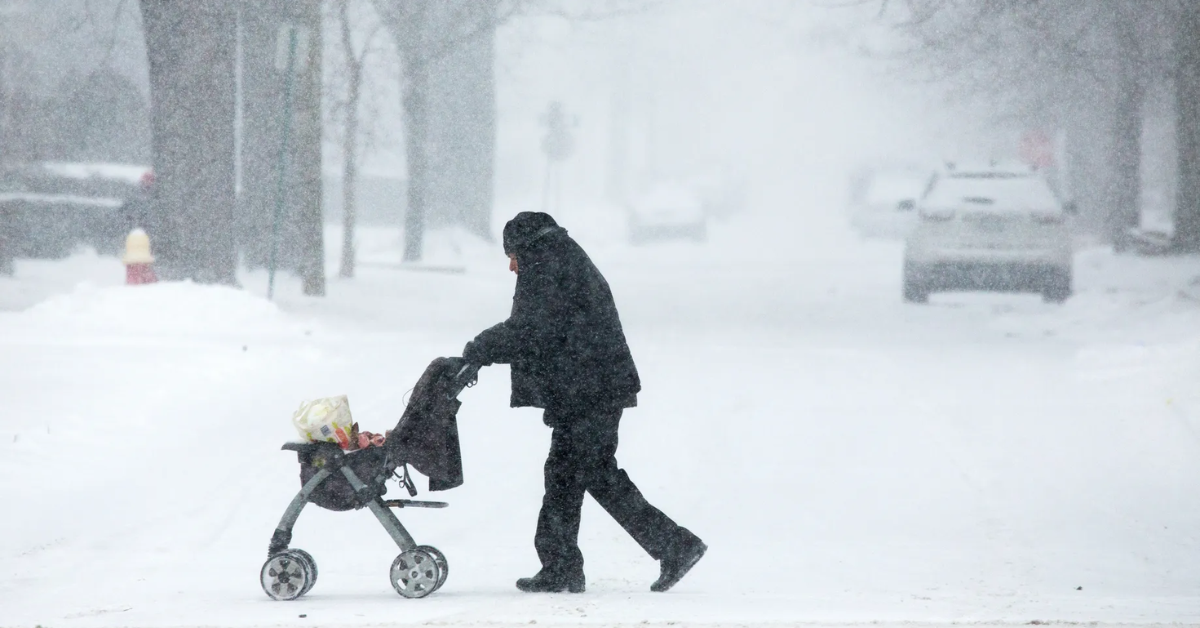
{"points": [[848, 458]]}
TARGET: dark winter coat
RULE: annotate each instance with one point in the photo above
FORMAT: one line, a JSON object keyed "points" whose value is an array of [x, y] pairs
{"points": [[564, 338]]}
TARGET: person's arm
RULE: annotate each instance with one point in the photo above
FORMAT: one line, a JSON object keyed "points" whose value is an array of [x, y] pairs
{"points": [[528, 331], [494, 345]]}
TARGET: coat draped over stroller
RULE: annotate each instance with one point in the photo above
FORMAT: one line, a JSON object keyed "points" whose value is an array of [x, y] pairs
{"points": [[427, 435]]}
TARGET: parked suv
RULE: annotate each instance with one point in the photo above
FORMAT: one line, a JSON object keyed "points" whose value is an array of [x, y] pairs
{"points": [[667, 210], [990, 228], [49, 208]]}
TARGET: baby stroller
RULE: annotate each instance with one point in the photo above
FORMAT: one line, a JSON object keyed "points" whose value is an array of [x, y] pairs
{"points": [[426, 437]]}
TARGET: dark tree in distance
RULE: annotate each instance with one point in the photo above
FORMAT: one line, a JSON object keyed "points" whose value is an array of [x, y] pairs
{"points": [[1187, 129]]}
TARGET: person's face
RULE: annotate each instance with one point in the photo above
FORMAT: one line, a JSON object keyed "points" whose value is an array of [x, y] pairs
{"points": [[512, 263]]}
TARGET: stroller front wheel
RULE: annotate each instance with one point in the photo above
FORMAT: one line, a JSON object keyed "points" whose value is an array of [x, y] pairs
{"points": [[415, 573], [286, 576], [440, 559]]}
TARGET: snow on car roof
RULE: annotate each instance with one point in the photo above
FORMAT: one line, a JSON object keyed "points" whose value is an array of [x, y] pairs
{"points": [[992, 169], [46, 200], [128, 173], [1002, 193]]}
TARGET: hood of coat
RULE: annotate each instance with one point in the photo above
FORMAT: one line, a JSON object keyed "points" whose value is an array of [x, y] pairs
{"points": [[526, 230]]}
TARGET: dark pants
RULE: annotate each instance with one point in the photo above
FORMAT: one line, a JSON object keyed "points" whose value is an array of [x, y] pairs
{"points": [[582, 459]]}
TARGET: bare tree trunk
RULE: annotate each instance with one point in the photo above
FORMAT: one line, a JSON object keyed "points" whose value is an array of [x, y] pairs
{"points": [[310, 218], [349, 181], [416, 127], [262, 128], [350, 143], [1187, 103], [408, 23], [476, 124], [191, 48], [463, 120], [1127, 167]]}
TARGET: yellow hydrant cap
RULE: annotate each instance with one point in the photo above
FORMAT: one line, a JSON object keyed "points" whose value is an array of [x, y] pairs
{"points": [[137, 248]]}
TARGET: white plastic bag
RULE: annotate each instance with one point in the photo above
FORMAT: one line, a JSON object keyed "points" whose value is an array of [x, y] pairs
{"points": [[325, 420]]}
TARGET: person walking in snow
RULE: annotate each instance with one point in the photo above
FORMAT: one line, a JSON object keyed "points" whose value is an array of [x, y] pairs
{"points": [[569, 357]]}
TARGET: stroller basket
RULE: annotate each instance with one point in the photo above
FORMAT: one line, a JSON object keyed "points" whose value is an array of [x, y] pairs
{"points": [[371, 465], [340, 481]]}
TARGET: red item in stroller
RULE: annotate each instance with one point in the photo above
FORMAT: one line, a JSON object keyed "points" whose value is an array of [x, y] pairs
{"points": [[425, 437]]}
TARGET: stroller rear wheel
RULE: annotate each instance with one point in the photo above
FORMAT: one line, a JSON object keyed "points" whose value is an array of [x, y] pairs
{"points": [[415, 573], [440, 559], [286, 576]]}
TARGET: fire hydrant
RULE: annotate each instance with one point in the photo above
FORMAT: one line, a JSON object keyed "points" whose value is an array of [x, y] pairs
{"points": [[138, 261]]}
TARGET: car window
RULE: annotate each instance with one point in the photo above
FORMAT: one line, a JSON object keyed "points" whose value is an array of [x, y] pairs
{"points": [[993, 193]]}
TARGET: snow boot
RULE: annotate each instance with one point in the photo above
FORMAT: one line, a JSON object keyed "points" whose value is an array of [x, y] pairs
{"points": [[545, 582], [683, 555]]}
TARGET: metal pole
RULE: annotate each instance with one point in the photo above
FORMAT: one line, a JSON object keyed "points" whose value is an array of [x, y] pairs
{"points": [[283, 146]]}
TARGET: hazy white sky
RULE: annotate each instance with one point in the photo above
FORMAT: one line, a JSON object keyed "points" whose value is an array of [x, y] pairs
{"points": [[772, 88]]}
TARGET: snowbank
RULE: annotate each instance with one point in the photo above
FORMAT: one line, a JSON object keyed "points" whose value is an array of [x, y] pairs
{"points": [[163, 309], [1119, 297], [848, 457]]}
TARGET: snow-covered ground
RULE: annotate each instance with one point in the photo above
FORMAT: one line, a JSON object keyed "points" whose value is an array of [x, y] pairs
{"points": [[848, 458]]}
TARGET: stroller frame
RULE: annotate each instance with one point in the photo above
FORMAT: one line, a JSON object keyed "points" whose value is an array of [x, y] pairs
{"points": [[418, 571], [378, 506]]}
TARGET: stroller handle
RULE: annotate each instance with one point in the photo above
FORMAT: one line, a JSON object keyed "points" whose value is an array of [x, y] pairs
{"points": [[467, 375]]}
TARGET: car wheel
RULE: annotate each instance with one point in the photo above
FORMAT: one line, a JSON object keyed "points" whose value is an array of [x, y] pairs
{"points": [[1058, 287], [915, 293], [915, 290]]}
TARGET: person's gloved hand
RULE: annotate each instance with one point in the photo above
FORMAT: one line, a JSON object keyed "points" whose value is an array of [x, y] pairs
{"points": [[473, 354]]}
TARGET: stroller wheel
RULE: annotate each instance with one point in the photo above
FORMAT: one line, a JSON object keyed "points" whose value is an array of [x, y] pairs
{"points": [[415, 573], [440, 559], [285, 576], [311, 563]]}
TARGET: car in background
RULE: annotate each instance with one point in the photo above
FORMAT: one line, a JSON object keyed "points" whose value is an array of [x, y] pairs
{"points": [[49, 208], [667, 210], [722, 190], [883, 200], [993, 228]]}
